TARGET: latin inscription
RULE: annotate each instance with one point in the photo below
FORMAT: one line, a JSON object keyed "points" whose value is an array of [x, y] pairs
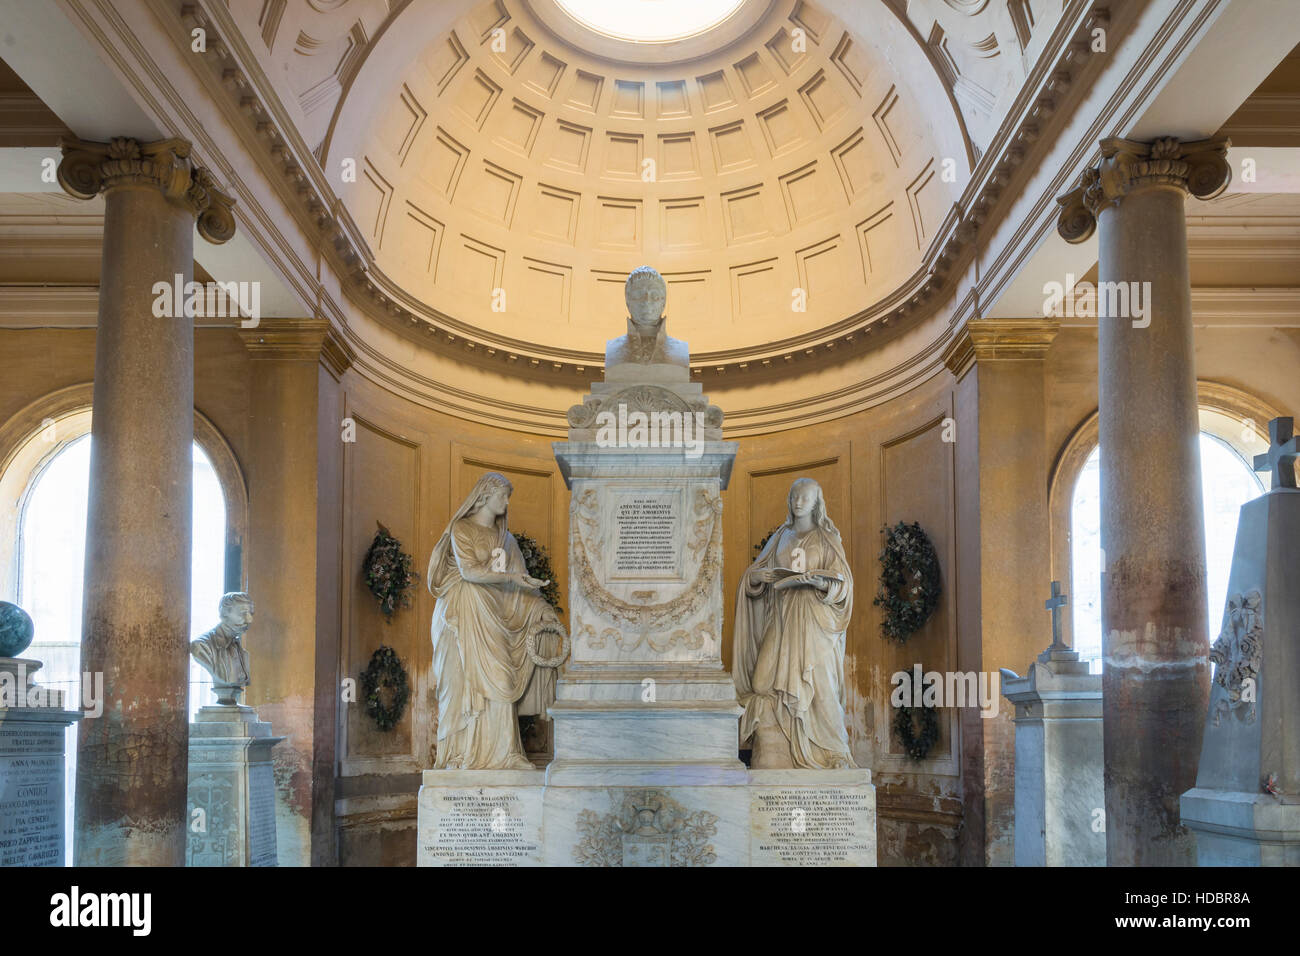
{"points": [[648, 535], [812, 826], [484, 827]]}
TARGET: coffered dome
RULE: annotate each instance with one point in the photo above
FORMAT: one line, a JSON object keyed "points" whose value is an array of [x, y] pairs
{"points": [[786, 167]]}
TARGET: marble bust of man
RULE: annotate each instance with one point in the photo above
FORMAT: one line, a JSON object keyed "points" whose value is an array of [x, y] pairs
{"points": [[646, 343], [220, 651]]}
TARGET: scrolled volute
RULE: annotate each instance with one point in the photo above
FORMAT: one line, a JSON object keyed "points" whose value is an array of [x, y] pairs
{"points": [[90, 168], [1199, 167]]}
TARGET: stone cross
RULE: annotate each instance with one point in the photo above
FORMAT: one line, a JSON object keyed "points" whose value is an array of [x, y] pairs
{"points": [[1282, 453], [1054, 604]]}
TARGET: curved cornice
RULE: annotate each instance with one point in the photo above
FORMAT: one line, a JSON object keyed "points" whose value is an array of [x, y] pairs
{"points": [[246, 98]]}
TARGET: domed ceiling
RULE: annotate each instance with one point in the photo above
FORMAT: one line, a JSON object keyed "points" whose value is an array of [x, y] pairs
{"points": [[786, 170]]}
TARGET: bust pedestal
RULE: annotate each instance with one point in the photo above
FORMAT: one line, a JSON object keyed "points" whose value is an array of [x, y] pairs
{"points": [[32, 748], [231, 782]]}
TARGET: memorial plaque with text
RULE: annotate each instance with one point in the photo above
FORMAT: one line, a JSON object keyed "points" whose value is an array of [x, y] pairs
{"points": [[647, 535], [31, 795], [261, 811], [483, 826], [812, 826]]}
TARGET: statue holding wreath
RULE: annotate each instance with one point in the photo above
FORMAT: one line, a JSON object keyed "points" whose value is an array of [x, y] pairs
{"points": [[491, 631]]}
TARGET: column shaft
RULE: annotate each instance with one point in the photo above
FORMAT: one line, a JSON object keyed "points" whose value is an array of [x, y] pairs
{"points": [[1155, 680], [1156, 677], [132, 762]]}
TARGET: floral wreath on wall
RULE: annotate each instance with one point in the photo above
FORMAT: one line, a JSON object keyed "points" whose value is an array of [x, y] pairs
{"points": [[909, 581], [917, 747], [389, 571], [384, 688]]}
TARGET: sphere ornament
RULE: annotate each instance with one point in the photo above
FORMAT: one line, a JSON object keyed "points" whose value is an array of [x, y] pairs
{"points": [[16, 630]]}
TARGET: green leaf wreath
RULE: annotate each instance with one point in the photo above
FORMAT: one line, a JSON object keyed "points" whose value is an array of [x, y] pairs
{"points": [[917, 747], [537, 562], [909, 581], [389, 572], [384, 688]]}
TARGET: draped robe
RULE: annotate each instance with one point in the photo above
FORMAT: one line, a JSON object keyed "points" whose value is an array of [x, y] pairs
{"points": [[789, 650], [483, 673]]}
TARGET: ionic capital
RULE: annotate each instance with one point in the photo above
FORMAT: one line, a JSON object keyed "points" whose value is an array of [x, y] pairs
{"points": [[90, 168], [1199, 168]]}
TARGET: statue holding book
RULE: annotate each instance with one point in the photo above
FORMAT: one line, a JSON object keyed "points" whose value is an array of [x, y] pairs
{"points": [[792, 614]]}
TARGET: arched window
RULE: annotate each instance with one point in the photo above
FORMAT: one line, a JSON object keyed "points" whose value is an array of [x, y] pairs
{"points": [[47, 478], [1227, 482]]}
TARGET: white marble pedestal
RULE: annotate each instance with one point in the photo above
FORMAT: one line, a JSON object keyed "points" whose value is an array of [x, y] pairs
{"points": [[1252, 734], [32, 786], [745, 818], [1059, 782], [232, 783]]}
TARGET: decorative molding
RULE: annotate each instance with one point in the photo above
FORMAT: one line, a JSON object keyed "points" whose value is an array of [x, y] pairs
{"points": [[286, 340], [1001, 340], [26, 121]]}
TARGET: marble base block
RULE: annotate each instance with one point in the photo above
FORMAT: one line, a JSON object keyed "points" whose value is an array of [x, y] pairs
{"points": [[32, 744], [643, 815], [232, 783]]}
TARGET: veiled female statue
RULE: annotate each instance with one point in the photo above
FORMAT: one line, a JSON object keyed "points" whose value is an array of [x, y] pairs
{"points": [[488, 606], [792, 612]]}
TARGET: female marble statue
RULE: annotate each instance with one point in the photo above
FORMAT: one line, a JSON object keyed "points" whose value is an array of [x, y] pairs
{"points": [[487, 607], [792, 612]]}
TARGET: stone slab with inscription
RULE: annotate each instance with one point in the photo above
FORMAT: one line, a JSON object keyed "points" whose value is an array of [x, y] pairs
{"points": [[480, 818], [812, 818], [647, 817], [33, 739], [231, 789]]}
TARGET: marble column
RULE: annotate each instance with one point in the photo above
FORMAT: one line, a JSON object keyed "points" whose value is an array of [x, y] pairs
{"points": [[1003, 555], [295, 689], [1156, 677], [132, 761]]}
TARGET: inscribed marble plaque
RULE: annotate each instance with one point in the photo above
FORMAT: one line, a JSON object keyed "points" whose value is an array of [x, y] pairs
{"points": [[647, 535], [484, 826], [812, 826]]}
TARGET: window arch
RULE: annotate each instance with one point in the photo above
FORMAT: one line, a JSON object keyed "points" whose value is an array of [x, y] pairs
{"points": [[44, 484], [1233, 427]]}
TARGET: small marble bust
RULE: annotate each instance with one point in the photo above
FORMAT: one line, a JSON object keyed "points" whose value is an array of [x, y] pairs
{"points": [[220, 651], [646, 343]]}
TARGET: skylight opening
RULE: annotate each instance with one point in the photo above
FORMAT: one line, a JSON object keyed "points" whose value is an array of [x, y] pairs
{"points": [[650, 21]]}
